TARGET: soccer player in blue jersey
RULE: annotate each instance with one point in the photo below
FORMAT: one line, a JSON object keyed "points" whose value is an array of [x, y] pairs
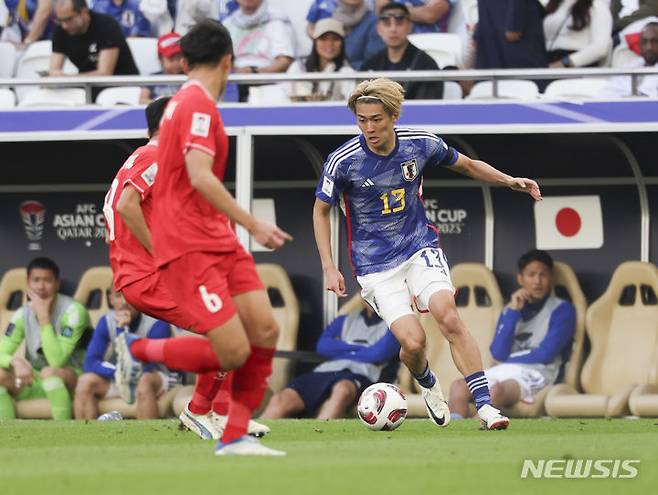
{"points": [[376, 177]]}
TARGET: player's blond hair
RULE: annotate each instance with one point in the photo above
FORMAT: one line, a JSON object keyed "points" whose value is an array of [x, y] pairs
{"points": [[382, 90]]}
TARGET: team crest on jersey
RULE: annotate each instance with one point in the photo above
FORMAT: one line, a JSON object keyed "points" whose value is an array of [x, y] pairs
{"points": [[409, 170], [149, 174], [200, 124]]}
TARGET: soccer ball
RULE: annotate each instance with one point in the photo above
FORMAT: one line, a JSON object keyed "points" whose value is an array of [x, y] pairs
{"points": [[382, 406]]}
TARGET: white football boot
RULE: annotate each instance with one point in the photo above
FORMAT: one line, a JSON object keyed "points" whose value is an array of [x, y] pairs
{"points": [[254, 428], [201, 424], [491, 419], [436, 405], [246, 445]]}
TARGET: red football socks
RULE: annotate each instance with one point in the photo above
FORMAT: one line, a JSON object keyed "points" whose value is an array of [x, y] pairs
{"points": [[249, 386], [222, 400], [181, 354], [205, 390]]}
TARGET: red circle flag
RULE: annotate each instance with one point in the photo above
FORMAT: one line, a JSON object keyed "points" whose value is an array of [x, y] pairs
{"points": [[568, 222]]}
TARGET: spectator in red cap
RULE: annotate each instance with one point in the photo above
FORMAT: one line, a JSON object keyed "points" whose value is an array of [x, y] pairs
{"points": [[170, 55]]}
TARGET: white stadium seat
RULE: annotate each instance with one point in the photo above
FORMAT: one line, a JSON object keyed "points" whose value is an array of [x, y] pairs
{"points": [[445, 48], [7, 98], [7, 59], [452, 91], [43, 97], [582, 87], [145, 53], [509, 89], [126, 95], [37, 58]]}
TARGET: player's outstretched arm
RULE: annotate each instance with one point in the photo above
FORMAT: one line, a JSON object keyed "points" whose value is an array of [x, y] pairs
{"points": [[322, 229], [129, 207], [479, 170], [199, 170]]}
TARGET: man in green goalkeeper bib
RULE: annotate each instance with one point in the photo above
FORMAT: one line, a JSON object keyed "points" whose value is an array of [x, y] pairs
{"points": [[50, 324]]}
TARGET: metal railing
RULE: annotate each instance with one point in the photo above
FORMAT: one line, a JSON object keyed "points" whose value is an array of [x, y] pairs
{"points": [[422, 76]]}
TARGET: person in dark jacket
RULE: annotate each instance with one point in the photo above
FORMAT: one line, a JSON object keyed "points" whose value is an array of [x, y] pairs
{"points": [[394, 25], [510, 34]]}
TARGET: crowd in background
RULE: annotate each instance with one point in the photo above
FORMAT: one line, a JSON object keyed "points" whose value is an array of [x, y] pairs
{"points": [[268, 38]]}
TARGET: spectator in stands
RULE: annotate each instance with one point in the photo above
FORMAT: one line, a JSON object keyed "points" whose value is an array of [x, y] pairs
{"points": [[319, 9], [360, 349], [532, 341], [263, 40], [127, 14], [171, 58], [160, 14], [427, 16], [28, 21], [510, 35], [625, 12], [97, 382], [577, 32], [327, 55], [620, 86], [189, 12], [361, 38], [92, 41], [51, 325], [226, 8], [394, 26]]}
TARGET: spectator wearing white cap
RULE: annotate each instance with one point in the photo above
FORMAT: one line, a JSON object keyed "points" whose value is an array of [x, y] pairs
{"points": [[171, 57], [327, 55]]}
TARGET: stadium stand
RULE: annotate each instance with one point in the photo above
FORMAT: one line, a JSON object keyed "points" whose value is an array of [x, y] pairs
{"points": [[508, 88], [479, 303], [124, 95], [452, 91], [567, 287], [34, 62], [145, 53], [585, 87], [92, 291], [445, 48], [7, 59], [622, 326], [46, 97], [7, 98]]}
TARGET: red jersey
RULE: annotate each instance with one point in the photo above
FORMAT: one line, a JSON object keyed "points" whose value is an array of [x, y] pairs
{"points": [[129, 260], [186, 221]]}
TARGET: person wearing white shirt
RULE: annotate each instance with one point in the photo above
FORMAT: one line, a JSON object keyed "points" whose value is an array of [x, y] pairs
{"points": [[577, 32]]}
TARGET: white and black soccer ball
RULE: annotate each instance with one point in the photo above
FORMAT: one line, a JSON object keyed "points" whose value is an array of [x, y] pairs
{"points": [[382, 406]]}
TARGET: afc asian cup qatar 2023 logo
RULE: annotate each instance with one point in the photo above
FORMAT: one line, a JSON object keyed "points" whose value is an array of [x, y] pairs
{"points": [[33, 215]]}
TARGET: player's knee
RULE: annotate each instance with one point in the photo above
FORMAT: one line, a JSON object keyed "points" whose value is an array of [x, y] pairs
{"points": [[344, 391], [47, 372], [85, 385], [412, 344], [146, 386], [451, 324], [269, 331], [236, 356]]}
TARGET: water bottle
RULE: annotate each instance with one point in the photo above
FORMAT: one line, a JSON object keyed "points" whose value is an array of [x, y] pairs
{"points": [[110, 416]]}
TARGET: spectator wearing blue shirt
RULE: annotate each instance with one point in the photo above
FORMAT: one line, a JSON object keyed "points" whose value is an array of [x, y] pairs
{"points": [[97, 382], [360, 24], [127, 14], [361, 350], [427, 16], [28, 21], [532, 341]]}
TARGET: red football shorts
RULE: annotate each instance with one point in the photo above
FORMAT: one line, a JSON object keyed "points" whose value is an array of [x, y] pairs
{"points": [[150, 296], [203, 285]]}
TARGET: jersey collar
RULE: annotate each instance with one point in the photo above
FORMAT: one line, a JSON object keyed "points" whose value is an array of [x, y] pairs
{"points": [[364, 146], [196, 82]]}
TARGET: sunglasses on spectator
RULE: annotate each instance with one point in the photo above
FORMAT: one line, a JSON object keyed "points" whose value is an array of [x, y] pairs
{"points": [[387, 19]]}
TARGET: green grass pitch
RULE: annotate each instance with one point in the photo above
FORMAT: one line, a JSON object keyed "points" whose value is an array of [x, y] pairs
{"points": [[324, 457]]}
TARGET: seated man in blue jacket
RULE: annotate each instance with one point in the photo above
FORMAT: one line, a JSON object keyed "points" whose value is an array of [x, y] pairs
{"points": [[532, 341], [97, 382], [360, 349]]}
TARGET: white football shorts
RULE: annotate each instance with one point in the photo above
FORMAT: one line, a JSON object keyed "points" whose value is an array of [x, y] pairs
{"points": [[530, 380], [391, 292]]}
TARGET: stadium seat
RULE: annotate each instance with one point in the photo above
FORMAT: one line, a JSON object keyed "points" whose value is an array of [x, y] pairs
{"points": [[92, 291], [286, 313], [622, 326], [567, 287], [125, 95], [582, 87], [35, 59], [13, 295], [43, 97], [145, 53], [445, 48], [7, 98], [296, 10], [268, 94], [7, 60], [517, 89], [452, 91], [479, 302]]}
